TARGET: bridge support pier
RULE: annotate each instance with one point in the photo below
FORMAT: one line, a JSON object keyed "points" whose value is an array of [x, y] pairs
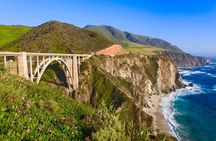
{"points": [[75, 73], [23, 65], [68, 73]]}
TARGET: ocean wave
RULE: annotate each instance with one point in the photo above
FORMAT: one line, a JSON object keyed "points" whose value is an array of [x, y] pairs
{"points": [[214, 88], [196, 89], [208, 66], [198, 72], [212, 75], [190, 72], [184, 72], [169, 111]]}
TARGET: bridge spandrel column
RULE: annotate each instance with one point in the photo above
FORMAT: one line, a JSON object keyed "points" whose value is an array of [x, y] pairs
{"points": [[23, 65], [69, 62], [75, 72]]}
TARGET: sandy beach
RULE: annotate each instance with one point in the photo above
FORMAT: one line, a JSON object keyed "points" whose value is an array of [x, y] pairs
{"points": [[155, 110]]}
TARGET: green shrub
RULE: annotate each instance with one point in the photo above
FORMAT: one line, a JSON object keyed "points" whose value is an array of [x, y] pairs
{"points": [[110, 127]]}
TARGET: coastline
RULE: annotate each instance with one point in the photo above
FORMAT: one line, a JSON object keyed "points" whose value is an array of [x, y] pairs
{"points": [[156, 111], [161, 122]]}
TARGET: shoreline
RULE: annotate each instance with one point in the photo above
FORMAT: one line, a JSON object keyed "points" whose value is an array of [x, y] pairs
{"points": [[156, 111], [161, 122]]}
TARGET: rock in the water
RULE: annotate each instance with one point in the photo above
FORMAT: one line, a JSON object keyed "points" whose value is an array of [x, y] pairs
{"points": [[190, 84]]}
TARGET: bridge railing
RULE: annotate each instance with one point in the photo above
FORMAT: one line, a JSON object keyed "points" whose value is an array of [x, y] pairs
{"points": [[42, 54]]}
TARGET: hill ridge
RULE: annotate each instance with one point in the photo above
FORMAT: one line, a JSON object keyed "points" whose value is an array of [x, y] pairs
{"points": [[127, 38], [57, 37], [9, 33]]}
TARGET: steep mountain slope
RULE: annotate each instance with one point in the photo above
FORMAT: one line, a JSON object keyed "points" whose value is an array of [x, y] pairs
{"points": [[131, 40], [60, 38], [10, 33], [149, 46]]}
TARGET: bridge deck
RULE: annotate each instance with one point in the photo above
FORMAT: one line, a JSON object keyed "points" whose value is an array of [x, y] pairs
{"points": [[42, 54]]}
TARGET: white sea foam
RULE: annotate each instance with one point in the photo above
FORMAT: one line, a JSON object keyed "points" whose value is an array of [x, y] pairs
{"points": [[198, 72], [185, 72], [212, 75], [167, 106], [168, 111], [209, 66], [189, 72], [214, 88]]}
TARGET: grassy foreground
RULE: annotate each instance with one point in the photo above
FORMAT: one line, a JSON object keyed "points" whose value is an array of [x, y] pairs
{"points": [[43, 112], [31, 112]]}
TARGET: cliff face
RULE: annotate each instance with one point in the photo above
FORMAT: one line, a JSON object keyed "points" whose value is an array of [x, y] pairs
{"points": [[126, 82], [151, 75], [185, 60]]}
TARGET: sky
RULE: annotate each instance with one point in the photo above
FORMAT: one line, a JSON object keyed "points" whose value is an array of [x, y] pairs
{"points": [[188, 24]]}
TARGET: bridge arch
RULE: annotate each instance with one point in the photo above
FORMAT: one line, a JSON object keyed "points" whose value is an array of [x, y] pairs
{"points": [[33, 65], [39, 70]]}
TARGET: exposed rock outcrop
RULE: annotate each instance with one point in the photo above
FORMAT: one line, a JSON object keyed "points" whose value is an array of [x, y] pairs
{"points": [[153, 75], [185, 60]]}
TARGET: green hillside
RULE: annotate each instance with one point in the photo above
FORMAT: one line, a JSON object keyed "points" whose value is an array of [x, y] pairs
{"points": [[145, 50], [131, 40], [10, 33], [108, 32], [58, 37], [44, 112], [41, 112]]}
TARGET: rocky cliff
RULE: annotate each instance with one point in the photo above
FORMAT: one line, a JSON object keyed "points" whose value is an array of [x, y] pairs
{"points": [[125, 83], [185, 60]]}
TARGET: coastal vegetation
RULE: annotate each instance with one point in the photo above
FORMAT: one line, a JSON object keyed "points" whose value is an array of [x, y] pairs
{"points": [[149, 51], [44, 112]]}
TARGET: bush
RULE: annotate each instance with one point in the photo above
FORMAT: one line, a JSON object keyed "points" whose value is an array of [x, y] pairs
{"points": [[110, 127]]}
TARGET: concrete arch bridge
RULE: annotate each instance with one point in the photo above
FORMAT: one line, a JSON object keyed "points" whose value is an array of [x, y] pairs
{"points": [[33, 65]]}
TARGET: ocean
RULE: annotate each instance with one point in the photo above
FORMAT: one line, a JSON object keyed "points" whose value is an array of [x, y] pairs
{"points": [[191, 112]]}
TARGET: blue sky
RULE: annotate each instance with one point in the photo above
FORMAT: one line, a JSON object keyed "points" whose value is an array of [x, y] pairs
{"points": [[189, 24]]}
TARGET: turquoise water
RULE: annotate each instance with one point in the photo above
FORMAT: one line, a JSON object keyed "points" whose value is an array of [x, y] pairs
{"points": [[191, 112]]}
